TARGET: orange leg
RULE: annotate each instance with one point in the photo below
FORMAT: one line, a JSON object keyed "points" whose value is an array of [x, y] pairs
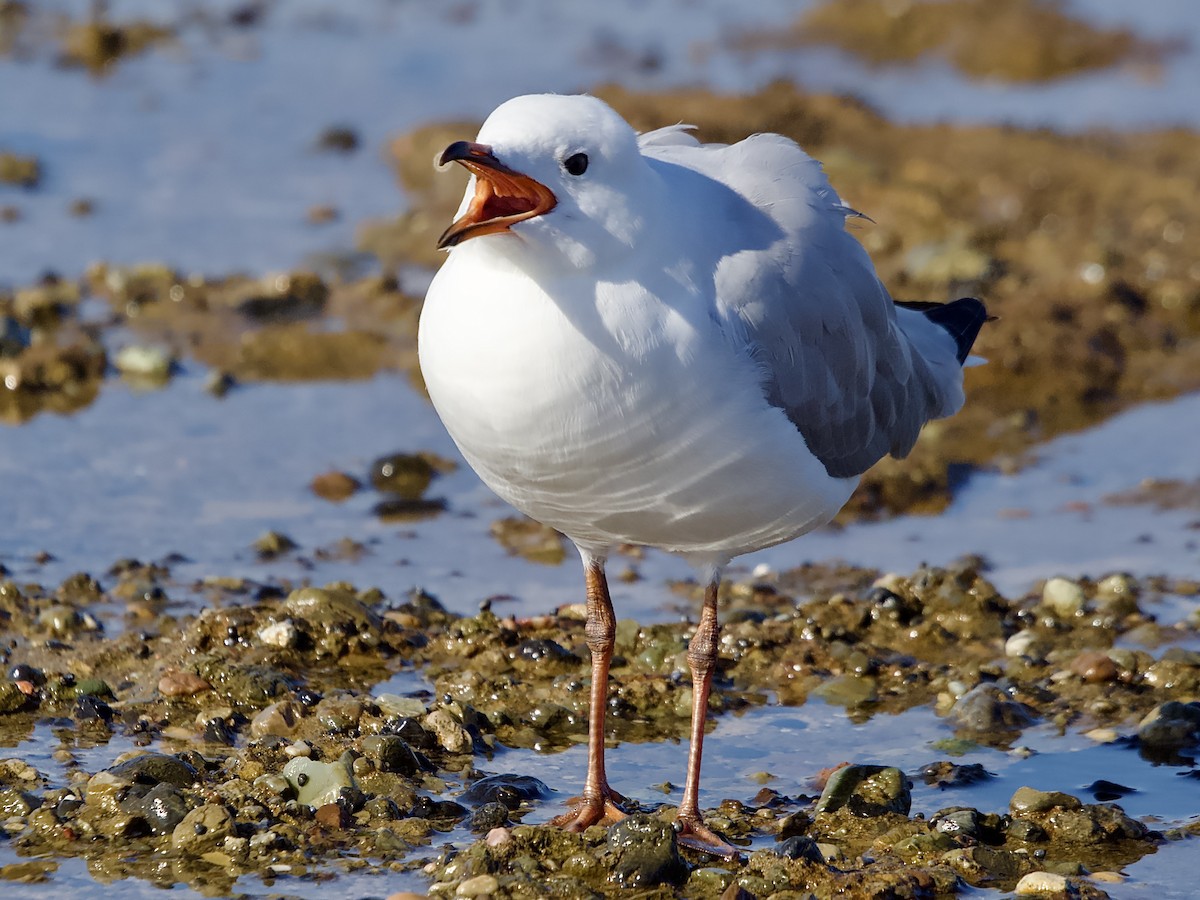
{"points": [[702, 659], [598, 802]]}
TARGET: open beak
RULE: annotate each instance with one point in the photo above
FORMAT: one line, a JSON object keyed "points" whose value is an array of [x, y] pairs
{"points": [[502, 196]]}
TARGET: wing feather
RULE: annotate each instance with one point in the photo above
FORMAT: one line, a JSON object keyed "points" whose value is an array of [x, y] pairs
{"points": [[857, 380]]}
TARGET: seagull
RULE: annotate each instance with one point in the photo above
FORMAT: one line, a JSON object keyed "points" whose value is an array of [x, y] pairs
{"points": [[643, 339]]}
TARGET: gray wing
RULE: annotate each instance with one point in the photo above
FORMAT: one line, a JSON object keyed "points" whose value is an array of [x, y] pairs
{"points": [[857, 375]]}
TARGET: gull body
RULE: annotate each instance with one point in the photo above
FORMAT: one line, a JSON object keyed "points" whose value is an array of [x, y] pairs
{"points": [[648, 340]]}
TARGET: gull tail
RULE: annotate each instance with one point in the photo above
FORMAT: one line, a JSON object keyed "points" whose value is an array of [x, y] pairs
{"points": [[961, 319]]}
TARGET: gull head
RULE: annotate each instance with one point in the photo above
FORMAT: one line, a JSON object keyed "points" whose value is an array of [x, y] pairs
{"points": [[559, 175]]}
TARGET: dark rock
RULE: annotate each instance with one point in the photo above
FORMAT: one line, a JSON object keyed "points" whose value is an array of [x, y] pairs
{"points": [[161, 807], [800, 847], [89, 707], [157, 768], [1171, 725], [646, 851], [986, 711], [489, 816], [867, 791], [510, 790], [945, 774]]}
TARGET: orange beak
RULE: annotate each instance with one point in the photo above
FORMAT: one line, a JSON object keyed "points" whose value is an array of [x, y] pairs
{"points": [[502, 196]]}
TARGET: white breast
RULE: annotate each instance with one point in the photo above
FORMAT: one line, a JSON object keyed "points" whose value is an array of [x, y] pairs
{"points": [[552, 405]]}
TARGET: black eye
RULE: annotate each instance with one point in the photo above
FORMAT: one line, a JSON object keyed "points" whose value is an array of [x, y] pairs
{"points": [[576, 164]]}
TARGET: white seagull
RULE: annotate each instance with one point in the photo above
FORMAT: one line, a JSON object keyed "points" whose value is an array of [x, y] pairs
{"points": [[649, 340]]}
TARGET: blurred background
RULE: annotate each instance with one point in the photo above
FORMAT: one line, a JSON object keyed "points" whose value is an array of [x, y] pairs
{"points": [[217, 224]]}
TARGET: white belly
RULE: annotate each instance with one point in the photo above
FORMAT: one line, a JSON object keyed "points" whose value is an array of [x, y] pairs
{"points": [[610, 437]]}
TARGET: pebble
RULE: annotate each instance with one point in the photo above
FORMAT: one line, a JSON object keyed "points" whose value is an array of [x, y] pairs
{"points": [[1062, 597], [1094, 667], [647, 852], [181, 684], [283, 634], [498, 837], [479, 886], [144, 362], [1042, 883], [298, 749], [279, 719], [1171, 724], [317, 783], [449, 733], [203, 829]]}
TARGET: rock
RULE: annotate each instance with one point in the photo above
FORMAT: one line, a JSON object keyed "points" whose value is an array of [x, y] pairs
{"points": [[867, 791], [1042, 883], [317, 783], [489, 816], [12, 698], [181, 684], [406, 475], [986, 710], [156, 768], [1029, 801], [162, 807], [280, 718], [479, 886], [1170, 725], [203, 829], [946, 774], [646, 851], [1094, 667], [283, 634], [392, 754], [148, 364], [334, 486], [510, 790], [1063, 598], [334, 619], [800, 847], [449, 733], [333, 815]]}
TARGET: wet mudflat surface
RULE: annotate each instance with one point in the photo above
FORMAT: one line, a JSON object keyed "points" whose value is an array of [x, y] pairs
{"points": [[212, 405]]}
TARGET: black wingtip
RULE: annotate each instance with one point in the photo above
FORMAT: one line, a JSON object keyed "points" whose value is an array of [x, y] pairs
{"points": [[961, 319]]}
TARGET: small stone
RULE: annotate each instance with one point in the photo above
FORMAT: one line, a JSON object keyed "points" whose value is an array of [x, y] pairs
{"points": [[279, 718], [333, 815], [498, 837], [1029, 800], [334, 486], [1063, 598], [1171, 725], [157, 768], [151, 364], [175, 683], [1020, 645], [867, 791], [203, 829], [317, 783], [647, 852], [298, 749], [283, 634], [986, 710], [479, 886], [1094, 667], [1042, 883], [274, 544], [449, 733]]}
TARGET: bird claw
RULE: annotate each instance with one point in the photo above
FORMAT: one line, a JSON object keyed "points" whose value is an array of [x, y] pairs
{"points": [[695, 835], [589, 811]]}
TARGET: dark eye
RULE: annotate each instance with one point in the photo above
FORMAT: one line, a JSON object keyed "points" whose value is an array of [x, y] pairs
{"points": [[576, 164]]}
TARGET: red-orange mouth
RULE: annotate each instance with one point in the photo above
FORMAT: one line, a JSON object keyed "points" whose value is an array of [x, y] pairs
{"points": [[502, 195]]}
